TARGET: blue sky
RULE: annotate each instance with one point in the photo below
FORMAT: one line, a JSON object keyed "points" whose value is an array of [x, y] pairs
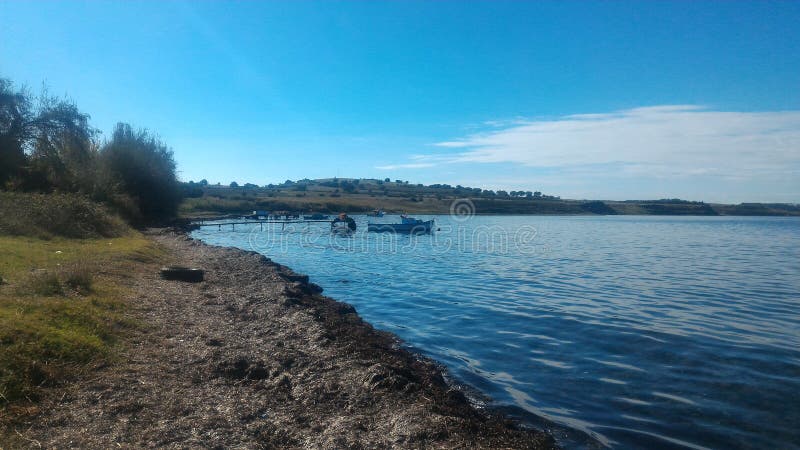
{"points": [[612, 100]]}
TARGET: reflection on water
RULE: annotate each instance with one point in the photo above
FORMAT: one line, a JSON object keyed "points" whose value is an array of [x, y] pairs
{"points": [[636, 331]]}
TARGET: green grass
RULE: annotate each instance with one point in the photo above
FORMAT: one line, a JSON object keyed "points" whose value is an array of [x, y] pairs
{"points": [[62, 307]]}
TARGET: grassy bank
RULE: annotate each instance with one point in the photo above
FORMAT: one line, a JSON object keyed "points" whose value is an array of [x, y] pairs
{"points": [[49, 215], [62, 294]]}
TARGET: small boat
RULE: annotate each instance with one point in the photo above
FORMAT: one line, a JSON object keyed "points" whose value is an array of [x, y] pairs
{"points": [[316, 216], [407, 225], [376, 213], [343, 225], [257, 215]]}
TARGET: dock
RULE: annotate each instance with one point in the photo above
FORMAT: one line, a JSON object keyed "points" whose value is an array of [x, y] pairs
{"points": [[259, 222]]}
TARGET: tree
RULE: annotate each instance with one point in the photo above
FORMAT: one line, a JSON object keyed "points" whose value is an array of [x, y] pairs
{"points": [[139, 166], [203, 182], [386, 180], [15, 115], [53, 142], [234, 184]]}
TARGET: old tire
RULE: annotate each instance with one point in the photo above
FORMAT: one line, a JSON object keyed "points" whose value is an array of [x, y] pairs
{"points": [[182, 274]]}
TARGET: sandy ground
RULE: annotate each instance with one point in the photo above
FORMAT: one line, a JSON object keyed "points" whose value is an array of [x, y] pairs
{"points": [[255, 357]]}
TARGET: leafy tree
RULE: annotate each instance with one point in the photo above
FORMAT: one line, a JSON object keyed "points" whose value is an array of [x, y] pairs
{"points": [[47, 146], [234, 184], [15, 117], [139, 166], [63, 150]]}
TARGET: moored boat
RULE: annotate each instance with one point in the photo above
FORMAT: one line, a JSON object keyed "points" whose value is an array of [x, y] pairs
{"points": [[316, 216], [343, 224], [408, 225]]}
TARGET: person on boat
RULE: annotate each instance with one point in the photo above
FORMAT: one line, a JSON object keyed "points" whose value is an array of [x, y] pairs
{"points": [[343, 217]]}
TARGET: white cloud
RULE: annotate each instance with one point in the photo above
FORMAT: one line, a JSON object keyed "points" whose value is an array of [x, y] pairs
{"points": [[405, 166], [664, 141]]}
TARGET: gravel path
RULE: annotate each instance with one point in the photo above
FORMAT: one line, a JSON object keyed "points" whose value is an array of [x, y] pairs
{"points": [[255, 357]]}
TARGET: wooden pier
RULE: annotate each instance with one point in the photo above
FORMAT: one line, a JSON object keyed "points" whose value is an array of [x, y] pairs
{"points": [[259, 222]]}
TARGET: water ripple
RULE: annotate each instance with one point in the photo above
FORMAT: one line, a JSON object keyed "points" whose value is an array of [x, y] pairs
{"points": [[640, 332]]}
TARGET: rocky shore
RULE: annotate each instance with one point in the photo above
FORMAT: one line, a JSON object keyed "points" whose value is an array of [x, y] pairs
{"points": [[256, 357]]}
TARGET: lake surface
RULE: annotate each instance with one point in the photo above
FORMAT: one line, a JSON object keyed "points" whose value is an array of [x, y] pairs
{"points": [[619, 331]]}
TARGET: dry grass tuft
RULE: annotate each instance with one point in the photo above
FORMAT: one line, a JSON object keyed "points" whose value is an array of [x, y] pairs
{"points": [[41, 282], [79, 278]]}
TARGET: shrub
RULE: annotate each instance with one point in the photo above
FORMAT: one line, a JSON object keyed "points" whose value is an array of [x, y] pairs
{"points": [[139, 165]]}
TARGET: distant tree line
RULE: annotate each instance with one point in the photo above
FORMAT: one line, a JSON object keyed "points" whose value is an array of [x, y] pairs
{"points": [[48, 145], [353, 185]]}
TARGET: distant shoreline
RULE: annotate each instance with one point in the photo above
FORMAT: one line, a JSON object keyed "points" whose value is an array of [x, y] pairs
{"points": [[395, 198]]}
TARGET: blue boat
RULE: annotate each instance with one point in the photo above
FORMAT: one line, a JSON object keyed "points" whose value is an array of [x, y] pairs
{"points": [[408, 225]]}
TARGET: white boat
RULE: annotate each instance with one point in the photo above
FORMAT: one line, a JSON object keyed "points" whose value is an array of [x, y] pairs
{"points": [[343, 225], [408, 225]]}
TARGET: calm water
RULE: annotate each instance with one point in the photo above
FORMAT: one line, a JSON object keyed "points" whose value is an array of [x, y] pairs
{"points": [[628, 332]]}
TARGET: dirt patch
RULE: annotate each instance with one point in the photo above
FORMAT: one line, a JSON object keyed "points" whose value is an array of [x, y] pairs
{"points": [[256, 357]]}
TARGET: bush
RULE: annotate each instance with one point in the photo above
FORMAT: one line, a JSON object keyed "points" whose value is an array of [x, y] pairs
{"points": [[47, 145], [137, 164]]}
